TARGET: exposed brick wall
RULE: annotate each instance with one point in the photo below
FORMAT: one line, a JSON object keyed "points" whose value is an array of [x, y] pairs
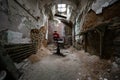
{"points": [[110, 14], [38, 37]]}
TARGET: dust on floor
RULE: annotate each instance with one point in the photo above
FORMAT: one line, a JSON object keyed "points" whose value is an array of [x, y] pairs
{"points": [[77, 65]]}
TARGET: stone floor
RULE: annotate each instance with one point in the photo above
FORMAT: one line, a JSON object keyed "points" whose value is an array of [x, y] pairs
{"points": [[77, 65]]}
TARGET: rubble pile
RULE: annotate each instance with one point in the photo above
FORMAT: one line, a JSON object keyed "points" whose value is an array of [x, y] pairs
{"points": [[42, 52], [93, 65]]}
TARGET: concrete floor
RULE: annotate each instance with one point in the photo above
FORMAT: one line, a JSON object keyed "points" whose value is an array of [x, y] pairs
{"points": [[77, 65]]}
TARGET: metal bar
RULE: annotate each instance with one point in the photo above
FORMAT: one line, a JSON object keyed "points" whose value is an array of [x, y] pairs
{"points": [[19, 49], [18, 56], [20, 53], [60, 16], [21, 59], [17, 46]]}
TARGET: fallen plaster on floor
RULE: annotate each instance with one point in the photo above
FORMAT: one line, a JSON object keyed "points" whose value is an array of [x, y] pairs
{"points": [[77, 65]]}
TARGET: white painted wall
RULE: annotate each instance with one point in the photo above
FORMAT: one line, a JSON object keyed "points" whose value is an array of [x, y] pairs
{"points": [[16, 37]]}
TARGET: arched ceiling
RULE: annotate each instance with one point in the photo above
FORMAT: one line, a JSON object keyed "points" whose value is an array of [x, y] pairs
{"points": [[48, 7], [75, 6]]}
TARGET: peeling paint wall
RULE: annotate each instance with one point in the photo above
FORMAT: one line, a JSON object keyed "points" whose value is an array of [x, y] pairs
{"points": [[100, 4], [92, 19], [13, 17], [93, 13], [68, 35], [21, 21], [110, 14], [83, 8], [4, 21], [16, 37]]}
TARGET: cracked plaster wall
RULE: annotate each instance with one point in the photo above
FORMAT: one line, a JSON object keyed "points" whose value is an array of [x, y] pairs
{"points": [[17, 20], [110, 14], [83, 8], [83, 12], [100, 4], [97, 6]]}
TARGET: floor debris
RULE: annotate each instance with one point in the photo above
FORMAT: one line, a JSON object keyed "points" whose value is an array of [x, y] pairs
{"points": [[42, 52], [77, 65]]}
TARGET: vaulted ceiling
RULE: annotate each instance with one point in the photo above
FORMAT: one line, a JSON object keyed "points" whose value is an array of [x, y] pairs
{"points": [[75, 7]]}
